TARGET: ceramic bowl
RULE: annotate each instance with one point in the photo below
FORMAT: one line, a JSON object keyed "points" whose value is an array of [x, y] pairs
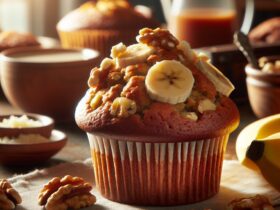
{"points": [[29, 154], [45, 129], [45, 80], [263, 91]]}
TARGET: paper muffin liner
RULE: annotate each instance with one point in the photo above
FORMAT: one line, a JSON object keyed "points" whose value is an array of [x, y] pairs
{"points": [[101, 40], [157, 173]]}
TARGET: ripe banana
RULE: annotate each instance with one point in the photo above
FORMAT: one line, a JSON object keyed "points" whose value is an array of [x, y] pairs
{"points": [[265, 154], [134, 54], [222, 84], [262, 154], [257, 130], [169, 81]]}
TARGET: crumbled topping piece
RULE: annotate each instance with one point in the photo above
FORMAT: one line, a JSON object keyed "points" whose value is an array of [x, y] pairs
{"points": [[187, 51], [135, 90], [117, 50], [66, 193], [161, 38], [190, 115], [94, 77], [206, 105], [257, 202], [106, 63], [96, 101], [123, 107], [9, 197], [114, 77], [112, 93], [135, 70]]}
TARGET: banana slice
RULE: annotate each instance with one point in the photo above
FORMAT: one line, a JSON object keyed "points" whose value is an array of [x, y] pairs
{"points": [[169, 81], [134, 54], [222, 84]]}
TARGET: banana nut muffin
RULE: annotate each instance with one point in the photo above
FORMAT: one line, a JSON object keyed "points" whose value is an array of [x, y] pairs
{"points": [[158, 118], [11, 39], [100, 24]]}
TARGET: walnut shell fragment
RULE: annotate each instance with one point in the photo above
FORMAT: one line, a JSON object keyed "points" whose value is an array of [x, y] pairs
{"points": [[66, 193]]}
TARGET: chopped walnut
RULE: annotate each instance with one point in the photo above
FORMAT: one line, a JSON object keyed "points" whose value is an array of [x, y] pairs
{"points": [[135, 70], [118, 50], [257, 202], [66, 193], [123, 107], [161, 38], [135, 90], [94, 77], [112, 93], [9, 197], [106, 63], [115, 76]]}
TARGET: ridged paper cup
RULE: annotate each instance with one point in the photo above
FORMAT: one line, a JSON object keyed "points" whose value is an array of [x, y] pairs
{"points": [[157, 173], [101, 40]]}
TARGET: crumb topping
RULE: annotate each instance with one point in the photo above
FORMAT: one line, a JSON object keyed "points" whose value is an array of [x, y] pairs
{"points": [[120, 81]]}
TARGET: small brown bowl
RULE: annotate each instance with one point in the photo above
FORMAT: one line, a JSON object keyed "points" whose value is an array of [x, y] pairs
{"points": [[263, 91], [29, 154], [45, 129], [39, 85]]}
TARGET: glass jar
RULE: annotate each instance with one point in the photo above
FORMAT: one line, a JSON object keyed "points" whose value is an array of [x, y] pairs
{"points": [[202, 22]]}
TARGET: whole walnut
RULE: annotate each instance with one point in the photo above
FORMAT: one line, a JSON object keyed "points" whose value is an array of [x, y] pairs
{"points": [[268, 31]]}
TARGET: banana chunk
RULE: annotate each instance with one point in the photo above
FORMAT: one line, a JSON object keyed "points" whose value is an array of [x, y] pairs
{"points": [[222, 84], [134, 54], [169, 81]]}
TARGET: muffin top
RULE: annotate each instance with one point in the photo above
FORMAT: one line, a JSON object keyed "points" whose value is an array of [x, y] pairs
{"points": [[158, 88], [11, 39], [105, 14]]}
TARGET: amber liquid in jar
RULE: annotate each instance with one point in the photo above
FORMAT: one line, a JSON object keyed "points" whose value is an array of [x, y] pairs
{"points": [[204, 27]]}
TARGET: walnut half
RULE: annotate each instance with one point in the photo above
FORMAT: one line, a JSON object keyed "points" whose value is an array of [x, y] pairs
{"points": [[257, 202], [66, 193], [9, 197]]}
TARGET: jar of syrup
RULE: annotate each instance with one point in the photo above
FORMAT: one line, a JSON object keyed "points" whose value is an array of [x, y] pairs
{"points": [[201, 22]]}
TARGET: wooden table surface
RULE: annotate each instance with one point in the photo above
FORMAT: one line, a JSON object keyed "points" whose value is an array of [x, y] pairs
{"points": [[77, 147]]}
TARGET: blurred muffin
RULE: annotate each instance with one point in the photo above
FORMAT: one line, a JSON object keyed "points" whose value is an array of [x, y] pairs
{"points": [[11, 39], [158, 119], [101, 24], [268, 31]]}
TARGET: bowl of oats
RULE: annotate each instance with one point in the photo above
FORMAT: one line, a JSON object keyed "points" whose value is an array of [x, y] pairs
{"points": [[15, 125], [28, 139], [263, 86]]}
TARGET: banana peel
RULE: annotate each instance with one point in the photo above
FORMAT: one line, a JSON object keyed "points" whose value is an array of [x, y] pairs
{"points": [[258, 148]]}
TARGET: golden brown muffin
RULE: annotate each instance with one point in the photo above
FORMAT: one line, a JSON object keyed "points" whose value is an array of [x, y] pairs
{"points": [[161, 115], [102, 24], [11, 39]]}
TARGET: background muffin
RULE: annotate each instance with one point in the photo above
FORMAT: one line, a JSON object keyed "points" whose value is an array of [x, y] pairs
{"points": [[11, 39], [158, 118], [102, 24]]}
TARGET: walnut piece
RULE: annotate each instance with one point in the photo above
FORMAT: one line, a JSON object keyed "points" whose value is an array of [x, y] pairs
{"points": [[157, 38], [66, 193], [257, 202], [9, 197]]}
